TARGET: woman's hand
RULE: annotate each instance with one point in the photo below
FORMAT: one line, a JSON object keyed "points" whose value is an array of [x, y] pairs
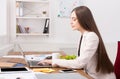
{"points": [[45, 62]]}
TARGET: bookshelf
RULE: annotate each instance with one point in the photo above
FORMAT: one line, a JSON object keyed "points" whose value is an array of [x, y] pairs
{"points": [[32, 17]]}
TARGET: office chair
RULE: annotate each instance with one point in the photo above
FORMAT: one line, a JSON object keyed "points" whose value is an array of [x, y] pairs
{"points": [[117, 62]]}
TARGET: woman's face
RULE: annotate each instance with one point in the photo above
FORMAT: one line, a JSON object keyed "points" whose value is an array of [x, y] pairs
{"points": [[74, 21]]}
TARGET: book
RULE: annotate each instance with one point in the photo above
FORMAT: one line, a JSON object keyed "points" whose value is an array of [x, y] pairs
{"points": [[17, 29], [46, 27], [21, 29], [21, 9], [17, 9]]}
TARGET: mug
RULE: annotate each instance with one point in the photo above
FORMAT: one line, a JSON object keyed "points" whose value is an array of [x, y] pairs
{"points": [[55, 55]]}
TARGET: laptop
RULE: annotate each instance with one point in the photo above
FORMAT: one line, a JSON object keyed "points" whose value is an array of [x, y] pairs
{"points": [[34, 63]]}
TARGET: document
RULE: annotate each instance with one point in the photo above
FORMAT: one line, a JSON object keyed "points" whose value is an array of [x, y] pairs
{"points": [[13, 56], [18, 76]]}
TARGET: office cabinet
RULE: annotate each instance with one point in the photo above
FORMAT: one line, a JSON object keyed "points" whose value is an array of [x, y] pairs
{"points": [[32, 17]]}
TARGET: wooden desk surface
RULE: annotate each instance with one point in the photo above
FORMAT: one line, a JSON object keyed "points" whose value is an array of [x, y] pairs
{"points": [[79, 71], [20, 60]]}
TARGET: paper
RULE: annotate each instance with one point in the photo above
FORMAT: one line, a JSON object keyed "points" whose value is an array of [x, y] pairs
{"points": [[13, 56], [66, 6], [18, 75], [2, 78], [45, 70]]}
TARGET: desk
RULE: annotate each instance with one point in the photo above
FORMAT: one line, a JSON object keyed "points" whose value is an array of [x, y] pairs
{"points": [[20, 60]]}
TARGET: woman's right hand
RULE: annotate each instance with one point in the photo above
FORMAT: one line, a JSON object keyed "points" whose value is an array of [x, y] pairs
{"points": [[46, 61]]}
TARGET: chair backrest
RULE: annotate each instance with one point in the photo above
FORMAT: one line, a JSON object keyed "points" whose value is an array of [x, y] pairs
{"points": [[117, 62]]}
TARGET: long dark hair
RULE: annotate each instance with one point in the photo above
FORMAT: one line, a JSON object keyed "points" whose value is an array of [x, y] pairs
{"points": [[86, 20]]}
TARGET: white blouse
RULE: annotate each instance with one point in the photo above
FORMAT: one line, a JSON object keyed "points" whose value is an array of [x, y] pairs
{"points": [[87, 59]]}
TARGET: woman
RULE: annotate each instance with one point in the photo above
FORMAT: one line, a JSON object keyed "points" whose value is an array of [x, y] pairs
{"points": [[93, 56]]}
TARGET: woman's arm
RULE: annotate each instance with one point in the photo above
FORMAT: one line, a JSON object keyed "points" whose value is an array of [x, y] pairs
{"points": [[88, 50]]}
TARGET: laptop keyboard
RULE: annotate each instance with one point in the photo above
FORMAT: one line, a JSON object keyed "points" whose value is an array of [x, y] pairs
{"points": [[34, 64]]}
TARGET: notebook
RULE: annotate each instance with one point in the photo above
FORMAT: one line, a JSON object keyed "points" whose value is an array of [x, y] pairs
{"points": [[33, 63]]}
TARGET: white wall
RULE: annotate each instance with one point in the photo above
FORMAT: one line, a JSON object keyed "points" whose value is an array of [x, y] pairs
{"points": [[4, 23], [3, 9], [107, 17]]}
